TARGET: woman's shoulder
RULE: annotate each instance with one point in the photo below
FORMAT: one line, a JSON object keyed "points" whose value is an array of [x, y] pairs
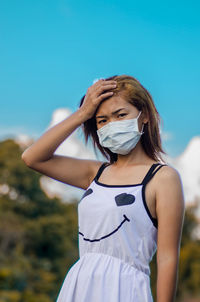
{"points": [[96, 166], [168, 174]]}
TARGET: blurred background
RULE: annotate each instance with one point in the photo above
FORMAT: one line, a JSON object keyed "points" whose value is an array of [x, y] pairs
{"points": [[50, 53]]}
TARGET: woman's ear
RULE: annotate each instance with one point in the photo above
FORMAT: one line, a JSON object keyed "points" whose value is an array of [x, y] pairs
{"points": [[145, 118]]}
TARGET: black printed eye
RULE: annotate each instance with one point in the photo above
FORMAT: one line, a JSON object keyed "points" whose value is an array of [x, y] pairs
{"points": [[88, 192], [124, 199]]}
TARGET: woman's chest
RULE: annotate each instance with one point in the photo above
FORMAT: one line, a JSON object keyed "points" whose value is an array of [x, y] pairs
{"points": [[120, 182], [113, 206]]}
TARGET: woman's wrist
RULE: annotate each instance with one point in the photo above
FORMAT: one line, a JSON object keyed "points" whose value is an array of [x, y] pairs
{"points": [[82, 116]]}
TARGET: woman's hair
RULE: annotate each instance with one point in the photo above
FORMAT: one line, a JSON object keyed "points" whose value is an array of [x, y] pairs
{"points": [[131, 90]]}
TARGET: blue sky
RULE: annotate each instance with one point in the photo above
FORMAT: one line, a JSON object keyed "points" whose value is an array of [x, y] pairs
{"points": [[51, 51]]}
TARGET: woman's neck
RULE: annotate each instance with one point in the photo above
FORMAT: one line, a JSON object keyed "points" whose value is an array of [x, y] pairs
{"points": [[136, 157]]}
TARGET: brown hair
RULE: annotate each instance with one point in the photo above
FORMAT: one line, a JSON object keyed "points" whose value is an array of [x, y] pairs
{"points": [[133, 92]]}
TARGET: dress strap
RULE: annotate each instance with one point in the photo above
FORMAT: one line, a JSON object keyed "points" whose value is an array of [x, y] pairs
{"points": [[152, 171], [102, 167]]}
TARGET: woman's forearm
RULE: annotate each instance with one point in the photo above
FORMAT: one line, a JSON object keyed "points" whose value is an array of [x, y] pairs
{"points": [[44, 147], [167, 277]]}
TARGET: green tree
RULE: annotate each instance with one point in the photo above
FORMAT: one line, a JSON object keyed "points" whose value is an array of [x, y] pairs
{"points": [[38, 235]]}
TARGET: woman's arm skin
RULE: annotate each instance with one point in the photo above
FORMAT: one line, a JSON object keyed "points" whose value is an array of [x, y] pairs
{"points": [[73, 171], [170, 209]]}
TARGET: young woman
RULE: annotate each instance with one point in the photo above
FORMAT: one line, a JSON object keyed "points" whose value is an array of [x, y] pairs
{"points": [[133, 202]]}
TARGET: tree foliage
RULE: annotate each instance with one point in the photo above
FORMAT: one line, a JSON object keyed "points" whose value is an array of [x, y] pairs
{"points": [[38, 235]]}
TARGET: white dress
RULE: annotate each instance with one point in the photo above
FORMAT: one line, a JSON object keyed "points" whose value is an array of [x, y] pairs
{"points": [[117, 241]]}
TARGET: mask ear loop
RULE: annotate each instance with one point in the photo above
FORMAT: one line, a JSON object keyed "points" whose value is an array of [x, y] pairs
{"points": [[141, 132], [139, 114]]}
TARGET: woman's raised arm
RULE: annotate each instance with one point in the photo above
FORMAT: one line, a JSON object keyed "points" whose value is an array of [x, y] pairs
{"points": [[73, 171]]}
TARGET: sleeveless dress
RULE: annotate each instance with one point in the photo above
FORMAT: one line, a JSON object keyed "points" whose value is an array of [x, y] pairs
{"points": [[117, 241]]}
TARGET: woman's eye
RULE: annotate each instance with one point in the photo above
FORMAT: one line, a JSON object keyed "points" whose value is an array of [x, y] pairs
{"points": [[101, 121], [121, 114]]}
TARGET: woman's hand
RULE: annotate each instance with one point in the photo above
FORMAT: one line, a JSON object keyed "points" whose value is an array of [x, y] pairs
{"points": [[95, 94]]}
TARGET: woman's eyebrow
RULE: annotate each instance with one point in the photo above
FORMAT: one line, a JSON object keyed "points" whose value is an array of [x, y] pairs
{"points": [[101, 116]]}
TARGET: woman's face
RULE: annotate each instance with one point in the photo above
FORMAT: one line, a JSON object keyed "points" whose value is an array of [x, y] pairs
{"points": [[117, 109]]}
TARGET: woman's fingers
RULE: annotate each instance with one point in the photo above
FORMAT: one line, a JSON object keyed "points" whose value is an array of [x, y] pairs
{"points": [[103, 88], [104, 95], [95, 94], [100, 92], [101, 83]]}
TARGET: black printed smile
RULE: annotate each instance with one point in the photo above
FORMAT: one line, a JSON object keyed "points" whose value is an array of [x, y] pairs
{"points": [[93, 240]]}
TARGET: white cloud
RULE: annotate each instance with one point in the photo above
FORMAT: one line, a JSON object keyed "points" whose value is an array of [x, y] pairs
{"points": [[12, 131], [17, 133], [166, 136]]}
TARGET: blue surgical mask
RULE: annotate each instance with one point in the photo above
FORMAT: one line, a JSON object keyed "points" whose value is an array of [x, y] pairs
{"points": [[120, 136]]}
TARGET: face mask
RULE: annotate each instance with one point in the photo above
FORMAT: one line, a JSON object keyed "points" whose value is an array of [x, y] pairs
{"points": [[120, 136]]}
